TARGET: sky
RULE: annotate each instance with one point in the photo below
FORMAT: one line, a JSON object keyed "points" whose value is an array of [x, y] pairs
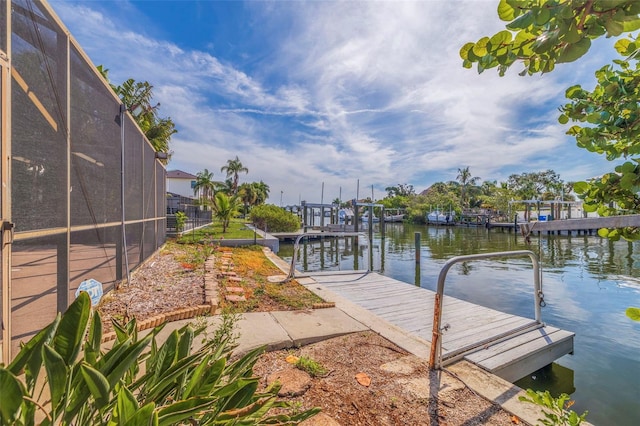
{"points": [[333, 99]]}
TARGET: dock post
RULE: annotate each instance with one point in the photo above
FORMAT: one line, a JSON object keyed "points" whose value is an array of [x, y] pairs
{"points": [[370, 224], [416, 237]]}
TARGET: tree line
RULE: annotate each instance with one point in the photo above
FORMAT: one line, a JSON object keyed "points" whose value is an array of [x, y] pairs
{"points": [[468, 195]]}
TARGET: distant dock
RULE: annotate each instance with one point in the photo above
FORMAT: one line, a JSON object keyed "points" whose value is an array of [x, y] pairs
{"points": [[583, 226]]}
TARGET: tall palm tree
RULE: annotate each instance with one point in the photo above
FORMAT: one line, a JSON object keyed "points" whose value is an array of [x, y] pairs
{"points": [[466, 181], [233, 169], [225, 208], [205, 186]]}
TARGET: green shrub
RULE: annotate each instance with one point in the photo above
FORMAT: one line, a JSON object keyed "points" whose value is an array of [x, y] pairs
{"points": [[85, 384], [181, 219], [557, 411], [272, 218]]}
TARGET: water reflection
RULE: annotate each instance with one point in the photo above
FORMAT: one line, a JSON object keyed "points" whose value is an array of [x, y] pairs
{"points": [[588, 283]]}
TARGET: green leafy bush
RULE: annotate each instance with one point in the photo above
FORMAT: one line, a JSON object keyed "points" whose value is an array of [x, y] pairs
{"points": [[274, 219], [181, 219], [557, 411], [60, 377]]}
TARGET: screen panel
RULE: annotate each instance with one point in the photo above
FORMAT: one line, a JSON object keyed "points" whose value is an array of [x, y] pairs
{"points": [[95, 148], [34, 291], [39, 142]]}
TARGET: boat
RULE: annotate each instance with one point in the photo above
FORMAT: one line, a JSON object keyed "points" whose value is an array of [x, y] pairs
{"points": [[365, 218], [345, 215], [394, 218], [440, 217]]}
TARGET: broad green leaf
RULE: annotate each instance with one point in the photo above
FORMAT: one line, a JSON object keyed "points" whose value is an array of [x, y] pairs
{"points": [[480, 48], [71, 330], [626, 167], [563, 119], [145, 416], [125, 408], [12, 391], [580, 187], [631, 25], [603, 232], [94, 339], [622, 46], [574, 51], [205, 384], [464, 50], [182, 410], [57, 374], [505, 11], [633, 313], [501, 38], [614, 28], [30, 356], [522, 22], [573, 91], [97, 384], [543, 16]]}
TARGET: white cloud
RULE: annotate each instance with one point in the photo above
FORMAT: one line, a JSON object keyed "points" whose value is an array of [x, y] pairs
{"points": [[347, 90]]}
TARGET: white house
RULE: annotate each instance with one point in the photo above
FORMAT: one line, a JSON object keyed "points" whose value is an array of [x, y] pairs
{"points": [[181, 183]]}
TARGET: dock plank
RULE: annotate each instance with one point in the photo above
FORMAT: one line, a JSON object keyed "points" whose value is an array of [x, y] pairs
{"points": [[411, 309]]}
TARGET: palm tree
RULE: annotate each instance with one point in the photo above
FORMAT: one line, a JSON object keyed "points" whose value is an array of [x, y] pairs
{"points": [[205, 186], [262, 190], [465, 180], [248, 195], [233, 168], [225, 208]]}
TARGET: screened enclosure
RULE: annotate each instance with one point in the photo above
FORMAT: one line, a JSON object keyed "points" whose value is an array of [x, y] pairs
{"points": [[83, 194]]}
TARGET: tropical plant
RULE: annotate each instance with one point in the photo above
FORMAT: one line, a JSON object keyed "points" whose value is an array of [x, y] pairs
{"points": [[181, 220], [205, 186], [137, 99], [542, 33], [233, 169], [557, 411], [225, 207], [59, 377], [466, 182], [272, 218]]}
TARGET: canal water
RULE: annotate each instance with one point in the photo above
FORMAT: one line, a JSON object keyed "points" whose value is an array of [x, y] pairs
{"points": [[588, 282]]}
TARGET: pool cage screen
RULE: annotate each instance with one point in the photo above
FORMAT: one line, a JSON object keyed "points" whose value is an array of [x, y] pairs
{"points": [[83, 194]]}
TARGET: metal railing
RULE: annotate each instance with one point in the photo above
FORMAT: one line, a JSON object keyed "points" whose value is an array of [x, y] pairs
{"points": [[435, 358], [292, 269]]}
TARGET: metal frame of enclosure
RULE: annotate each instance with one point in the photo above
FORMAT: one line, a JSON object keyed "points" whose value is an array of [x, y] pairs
{"points": [[83, 194]]}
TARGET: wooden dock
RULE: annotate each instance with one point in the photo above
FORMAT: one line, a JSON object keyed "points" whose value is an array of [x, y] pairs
{"points": [[507, 345]]}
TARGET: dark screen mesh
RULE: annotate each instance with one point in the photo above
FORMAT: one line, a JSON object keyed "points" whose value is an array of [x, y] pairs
{"points": [[39, 158], [134, 240], [46, 271], [161, 199], [34, 286], [95, 148], [149, 182], [3, 27], [94, 254], [133, 171]]}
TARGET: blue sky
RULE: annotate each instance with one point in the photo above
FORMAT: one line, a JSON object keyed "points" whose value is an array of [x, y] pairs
{"points": [[306, 93]]}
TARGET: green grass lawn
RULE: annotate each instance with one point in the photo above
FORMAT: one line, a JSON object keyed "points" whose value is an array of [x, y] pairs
{"points": [[235, 230]]}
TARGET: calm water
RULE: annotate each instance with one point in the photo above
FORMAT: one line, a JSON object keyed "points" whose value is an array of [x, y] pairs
{"points": [[588, 283]]}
